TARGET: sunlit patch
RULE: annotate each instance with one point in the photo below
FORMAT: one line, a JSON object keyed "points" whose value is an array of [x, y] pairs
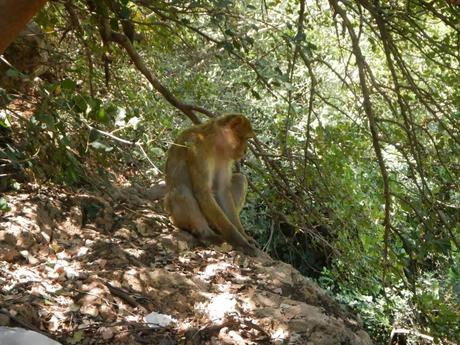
{"points": [[212, 269], [184, 325], [219, 306], [184, 260], [137, 253], [157, 320], [133, 318], [82, 251], [280, 334]]}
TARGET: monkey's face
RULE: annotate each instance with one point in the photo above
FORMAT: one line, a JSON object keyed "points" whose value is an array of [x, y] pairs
{"points": [[241, 143], [237, 131], [242, 132], [240, 149], [232, 146]]}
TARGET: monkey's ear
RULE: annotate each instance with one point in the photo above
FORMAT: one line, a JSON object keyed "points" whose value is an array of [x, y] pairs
{"points": [[241, 125], [251, 134], [236, 120]]}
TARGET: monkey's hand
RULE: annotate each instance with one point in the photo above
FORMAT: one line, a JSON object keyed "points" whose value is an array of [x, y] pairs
{"points": [[248, 238], [248, 249], [211, 237], [252, 241]]}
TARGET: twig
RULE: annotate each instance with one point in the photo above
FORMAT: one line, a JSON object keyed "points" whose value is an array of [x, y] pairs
{"points": [[127, 142], [270, 237], [187, 109], [123, 295], [107, 134], [404, 331], [80, 35]]}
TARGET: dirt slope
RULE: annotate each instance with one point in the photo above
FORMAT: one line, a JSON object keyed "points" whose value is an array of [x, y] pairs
{"points": [[86, 267]]}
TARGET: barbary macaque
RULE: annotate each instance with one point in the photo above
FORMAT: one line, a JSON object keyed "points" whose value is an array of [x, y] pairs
{"points": [[203, 195]]}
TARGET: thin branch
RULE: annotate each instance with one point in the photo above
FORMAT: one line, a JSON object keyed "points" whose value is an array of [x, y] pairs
{"points": [[80, 34], [187, 109], [126, 142], [109, 35], [291, 68], [367, 104], [251, 65]]}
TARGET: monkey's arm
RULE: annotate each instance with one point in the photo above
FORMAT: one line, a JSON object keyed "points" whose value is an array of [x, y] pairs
{"points": [[201, 185], [229, 207], [238, 189]]}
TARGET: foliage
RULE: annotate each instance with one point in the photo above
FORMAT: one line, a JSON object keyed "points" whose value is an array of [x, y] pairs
{"points": [[380, 230]]}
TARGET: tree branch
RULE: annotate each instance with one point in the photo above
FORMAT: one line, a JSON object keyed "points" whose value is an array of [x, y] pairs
{"points": [[367, 104], [122, 40], [187, 109], [14, 16]]}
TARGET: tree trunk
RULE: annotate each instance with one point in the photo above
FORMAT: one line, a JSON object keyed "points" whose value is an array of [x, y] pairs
{"points": [[14, 15]]}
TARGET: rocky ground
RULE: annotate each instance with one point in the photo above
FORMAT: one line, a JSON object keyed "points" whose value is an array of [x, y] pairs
{"points": [[87, 267]]}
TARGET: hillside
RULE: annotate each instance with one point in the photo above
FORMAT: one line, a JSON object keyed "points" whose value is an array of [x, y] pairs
{"points": [[86, 267]]}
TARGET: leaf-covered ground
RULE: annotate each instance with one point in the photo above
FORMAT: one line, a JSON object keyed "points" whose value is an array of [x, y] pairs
{"points": [[87, 267]]}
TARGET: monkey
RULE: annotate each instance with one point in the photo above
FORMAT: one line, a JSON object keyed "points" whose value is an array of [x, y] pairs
{"points": [[203, 196]]}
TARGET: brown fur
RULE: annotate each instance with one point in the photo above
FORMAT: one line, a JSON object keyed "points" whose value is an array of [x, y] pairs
{"points": [[203, 195]]}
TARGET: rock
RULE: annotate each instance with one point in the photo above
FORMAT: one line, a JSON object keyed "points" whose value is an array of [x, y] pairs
{"points": [[157, 320], [20, 336]]}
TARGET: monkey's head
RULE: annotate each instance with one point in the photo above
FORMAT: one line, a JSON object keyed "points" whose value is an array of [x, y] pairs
{"points": [[237, 131]]}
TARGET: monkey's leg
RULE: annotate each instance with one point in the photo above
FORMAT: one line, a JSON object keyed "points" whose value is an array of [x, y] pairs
{"points": [[201, 180], [239, 188], [186, 214]]}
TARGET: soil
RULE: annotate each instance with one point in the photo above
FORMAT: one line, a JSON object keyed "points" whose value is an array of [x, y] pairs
{"points": [[86, 267]]}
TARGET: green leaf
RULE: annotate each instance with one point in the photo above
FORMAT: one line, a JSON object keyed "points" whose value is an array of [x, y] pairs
{"points": [[68, 84], [14, 73], [46, 119], [405, 206], [80, 103], [65, 141], [156, 151], [77, 337], [125, 12], [101, 115], [3, 123], [4, 205]]}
